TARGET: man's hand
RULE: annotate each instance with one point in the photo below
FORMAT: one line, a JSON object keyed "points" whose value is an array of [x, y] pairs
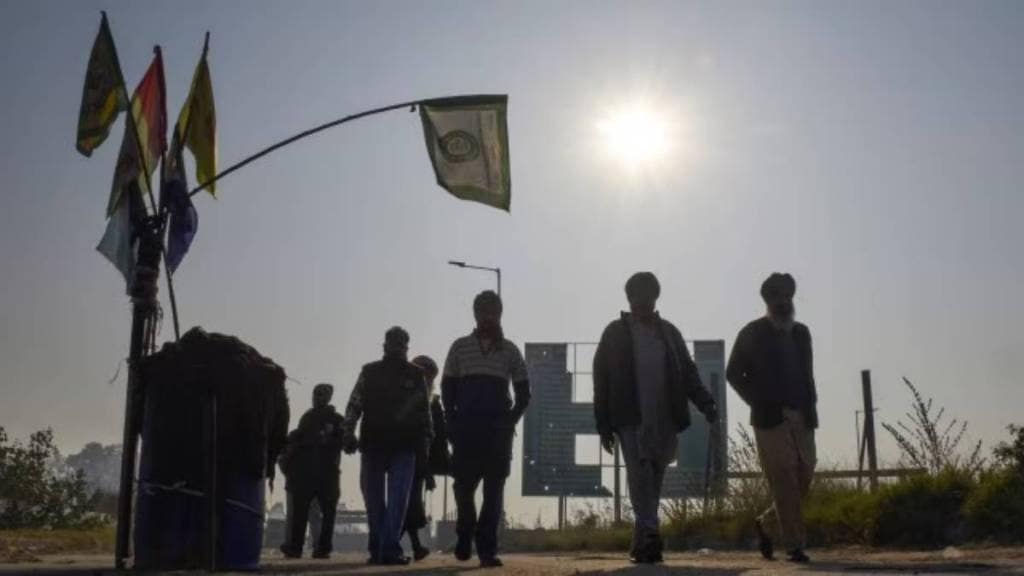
{"points": [[431, 483], [608, 442], [711, 413], [349, 443]]}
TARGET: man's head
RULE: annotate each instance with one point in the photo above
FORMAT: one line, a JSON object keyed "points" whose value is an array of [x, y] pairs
{"points": [[642, 291], [487, 310], [396, 343], [777, 291], [322, 395], [429, 367]]}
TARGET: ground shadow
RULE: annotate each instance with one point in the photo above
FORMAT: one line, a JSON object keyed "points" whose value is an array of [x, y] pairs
{"points": [[907, 568], [658, 569]]}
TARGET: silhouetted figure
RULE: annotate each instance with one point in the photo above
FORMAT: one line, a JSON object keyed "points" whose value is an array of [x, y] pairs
{"points": [[392, 400], [436, 463], [771, 368], [312, 466], [644, 379], [481, 423]]}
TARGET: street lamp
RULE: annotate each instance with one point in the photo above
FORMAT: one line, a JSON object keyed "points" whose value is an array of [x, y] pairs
{"points": [[497, 271]]}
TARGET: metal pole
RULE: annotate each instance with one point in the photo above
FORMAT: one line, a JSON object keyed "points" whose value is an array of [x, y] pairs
{"points": [[144, 304], [498, 271], [212, 502], [444, 503], [321, 128], [617, 486], [869, 429]]}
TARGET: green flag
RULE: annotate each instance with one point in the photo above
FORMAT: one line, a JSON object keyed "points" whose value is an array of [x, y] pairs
{"points": [[467, 139], [103, 96]]}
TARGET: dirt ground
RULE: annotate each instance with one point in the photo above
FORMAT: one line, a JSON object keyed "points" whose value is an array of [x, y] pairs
{"points": [[993, 561]]}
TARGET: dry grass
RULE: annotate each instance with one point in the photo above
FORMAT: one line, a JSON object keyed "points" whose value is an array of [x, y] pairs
{"points": [[17, 546]]}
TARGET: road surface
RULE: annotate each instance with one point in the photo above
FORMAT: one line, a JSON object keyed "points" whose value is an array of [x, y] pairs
{"points": [[986, 561]]}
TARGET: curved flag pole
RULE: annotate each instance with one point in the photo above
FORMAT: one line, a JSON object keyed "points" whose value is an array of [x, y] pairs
{"points": [[321, 128]]}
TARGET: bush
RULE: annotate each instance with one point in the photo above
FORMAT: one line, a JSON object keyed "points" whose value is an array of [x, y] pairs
{"points": [[922, 511], [995, 510], [838, 513], [33, 495]]}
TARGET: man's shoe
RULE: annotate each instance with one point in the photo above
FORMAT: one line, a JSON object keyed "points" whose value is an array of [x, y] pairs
{"points": [[797, 555], [321, 554], [289, 552], [491, 562], [463, 551], [420, 553], [396, 561], [764, 541]]}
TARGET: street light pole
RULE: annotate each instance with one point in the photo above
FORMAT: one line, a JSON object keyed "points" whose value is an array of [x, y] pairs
{"points": [[497, 271]]}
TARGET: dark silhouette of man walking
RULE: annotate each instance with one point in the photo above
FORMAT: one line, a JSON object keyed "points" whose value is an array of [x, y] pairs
{"points": [[482, 420], [391, 398], [771, 367], [644, 379], [312, 466]]}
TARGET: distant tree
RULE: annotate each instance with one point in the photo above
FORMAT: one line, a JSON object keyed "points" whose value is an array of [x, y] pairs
{"points": [[927, 441], [33, 491], [1011, 454], [100, 464]]}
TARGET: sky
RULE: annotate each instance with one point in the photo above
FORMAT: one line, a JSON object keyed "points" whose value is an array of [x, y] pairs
{"points": [[872, 149]]}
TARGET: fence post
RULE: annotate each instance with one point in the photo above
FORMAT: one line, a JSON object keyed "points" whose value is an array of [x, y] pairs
{"points": [[869, 429]]}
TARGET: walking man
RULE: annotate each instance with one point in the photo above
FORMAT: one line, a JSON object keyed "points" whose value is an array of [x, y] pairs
{"points": [[482, 420], [436, 463], [312, 462], [771, 368], [644, 379], [391, 399]]}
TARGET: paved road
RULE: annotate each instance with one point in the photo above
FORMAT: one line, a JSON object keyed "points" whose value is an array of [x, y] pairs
{"points": [[1002, 561]]}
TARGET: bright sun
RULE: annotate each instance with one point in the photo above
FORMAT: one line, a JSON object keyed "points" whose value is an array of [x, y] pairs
{"points": [[636, 135]]}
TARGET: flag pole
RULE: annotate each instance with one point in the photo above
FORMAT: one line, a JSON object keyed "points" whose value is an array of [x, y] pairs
{"points": [[144, 306], [163, 217], [320, 128]]}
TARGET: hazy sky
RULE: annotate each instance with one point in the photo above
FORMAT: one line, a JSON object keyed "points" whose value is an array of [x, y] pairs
{"points": [[874, 150]]}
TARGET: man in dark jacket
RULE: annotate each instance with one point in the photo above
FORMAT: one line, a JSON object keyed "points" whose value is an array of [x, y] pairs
{"points": [[771, 368], [644, 379], [391, 399], [311, 463], [482, 420]]}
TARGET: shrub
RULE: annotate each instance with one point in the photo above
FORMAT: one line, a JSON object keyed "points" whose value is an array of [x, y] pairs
{"points": [[931, 443], [837, 513], [922, 511], [995, 510], [33, 495]]}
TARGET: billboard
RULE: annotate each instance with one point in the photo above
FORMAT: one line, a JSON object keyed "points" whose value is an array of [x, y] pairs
{"points": [[559, 425]]}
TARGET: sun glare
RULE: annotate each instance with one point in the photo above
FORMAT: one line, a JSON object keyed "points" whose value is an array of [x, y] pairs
{"points": [[636, 135]]}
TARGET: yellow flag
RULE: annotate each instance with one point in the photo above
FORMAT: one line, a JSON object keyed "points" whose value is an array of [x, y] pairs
{"points": [[197, 125]]}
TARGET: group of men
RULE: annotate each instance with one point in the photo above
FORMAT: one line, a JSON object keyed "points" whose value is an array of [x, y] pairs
{"points": [[403, 438], [644, 381]]}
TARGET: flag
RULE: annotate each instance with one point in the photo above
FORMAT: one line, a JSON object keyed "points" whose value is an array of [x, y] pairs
{"points": [[467, 139], [145, 138], [184, 219], [120, 243], [197, 124], [104, 95]]}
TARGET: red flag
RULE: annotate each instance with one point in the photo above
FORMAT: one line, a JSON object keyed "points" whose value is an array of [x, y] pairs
{"points": [[147, 126]]}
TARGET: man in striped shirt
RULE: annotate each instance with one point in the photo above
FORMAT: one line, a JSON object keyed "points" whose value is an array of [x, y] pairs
{"points": [[482, 419]]}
